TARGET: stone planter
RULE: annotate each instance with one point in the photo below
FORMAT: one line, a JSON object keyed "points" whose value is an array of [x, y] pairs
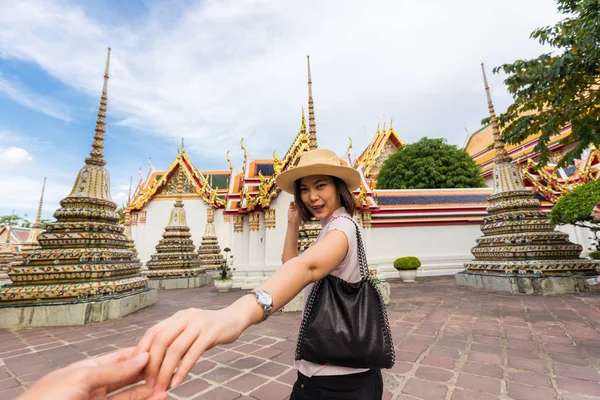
{"points": [[223, 286], [408, 275]]}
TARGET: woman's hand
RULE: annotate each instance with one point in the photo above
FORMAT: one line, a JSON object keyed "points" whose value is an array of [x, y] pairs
{"points": [[95, 378], [293, 215], [178, 342]]}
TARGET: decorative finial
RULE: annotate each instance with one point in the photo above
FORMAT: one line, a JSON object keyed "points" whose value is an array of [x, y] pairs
{"points": [[229, 159], [501, 155], [38, 218], [391, 121], [303, 123], [378, 127], [180, 181], [141, 175], [383, 126], [97, 153], [150, 163], [244, 149], [349, 147], [182, 146], [312, 125], [129, 194]]}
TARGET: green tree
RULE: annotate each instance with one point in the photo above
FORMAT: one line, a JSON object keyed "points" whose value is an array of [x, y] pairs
{"points": [[558, 87], [429, 164], [575, 208]]}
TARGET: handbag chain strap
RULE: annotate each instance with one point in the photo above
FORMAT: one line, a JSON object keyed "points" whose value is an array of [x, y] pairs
{"points": [[362, 256]]}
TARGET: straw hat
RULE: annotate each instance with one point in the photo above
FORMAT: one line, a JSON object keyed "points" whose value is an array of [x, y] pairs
{"points": [[318, 162]]}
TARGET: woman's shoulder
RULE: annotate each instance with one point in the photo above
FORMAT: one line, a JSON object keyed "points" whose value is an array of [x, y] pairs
{"points": [[344, 223]]}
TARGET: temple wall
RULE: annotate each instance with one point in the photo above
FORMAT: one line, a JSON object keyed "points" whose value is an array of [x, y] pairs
{"points": [[442, 249]]}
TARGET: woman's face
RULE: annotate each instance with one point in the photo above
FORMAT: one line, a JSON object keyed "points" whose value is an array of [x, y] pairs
{"points": [[319, 195]]}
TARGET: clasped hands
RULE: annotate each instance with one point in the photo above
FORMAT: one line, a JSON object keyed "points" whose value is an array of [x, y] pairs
{"points": [[163, 358]]}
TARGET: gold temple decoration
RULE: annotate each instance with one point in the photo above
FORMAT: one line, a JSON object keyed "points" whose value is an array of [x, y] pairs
{"points": [[238, 223], [7, 256], [245, 156], [175, 253], [518, 237], [312, 131], [84, 253], [229, 160], [366, 219], [270, 218], [127, 221], [36, 229], [209, 250], [349, 148], [253, 221]]}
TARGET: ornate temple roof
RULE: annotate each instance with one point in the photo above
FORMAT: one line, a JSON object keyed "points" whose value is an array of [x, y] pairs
{"points": [[385, 143], [552, 182], [479, 143], [164, 184]]}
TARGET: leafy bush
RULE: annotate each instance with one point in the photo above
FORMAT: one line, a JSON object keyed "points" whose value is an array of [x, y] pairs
{"points": [[429, 164], [594, 254], [407, 263]]}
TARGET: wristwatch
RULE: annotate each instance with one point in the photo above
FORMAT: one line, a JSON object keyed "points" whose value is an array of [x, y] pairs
{"points": [[264, 300]]}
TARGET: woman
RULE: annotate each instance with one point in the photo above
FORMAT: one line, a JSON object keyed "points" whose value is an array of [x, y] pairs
{"points": [[322, 188]]}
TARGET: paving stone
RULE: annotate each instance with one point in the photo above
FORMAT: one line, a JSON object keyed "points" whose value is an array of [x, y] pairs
{"points": [[191, 388], [573, 371], [425, 390], [202, 366], [268, 352], [270, 369], [245, 383], [484, 358], [434, 374], [272, 391], [529, 378], [521, 392], [527, 364], [438, 361], [221, 374], [479, 383], [578, 386], [246, 363], [462, 394], [475, 368], [220, 393]]}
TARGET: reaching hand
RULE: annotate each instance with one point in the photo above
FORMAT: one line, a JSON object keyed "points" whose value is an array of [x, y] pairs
{"points": [[178, 342], [96, 378], [293, 215]]}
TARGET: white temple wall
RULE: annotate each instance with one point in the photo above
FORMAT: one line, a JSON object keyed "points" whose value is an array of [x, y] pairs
{"points": [[442, 249]]}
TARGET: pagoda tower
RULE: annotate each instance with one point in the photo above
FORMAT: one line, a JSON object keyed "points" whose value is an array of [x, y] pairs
{"points": [[520, 250], [32, 241], [175, 263], [210, 251], [310, 230], [84, 265], [7, 256]]}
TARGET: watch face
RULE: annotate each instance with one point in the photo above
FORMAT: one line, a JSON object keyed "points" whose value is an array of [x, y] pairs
{"points": [[264, 298]]}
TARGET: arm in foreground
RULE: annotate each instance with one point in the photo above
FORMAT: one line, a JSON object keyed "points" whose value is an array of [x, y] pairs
{"points": [[96, 378], [180, 340]]}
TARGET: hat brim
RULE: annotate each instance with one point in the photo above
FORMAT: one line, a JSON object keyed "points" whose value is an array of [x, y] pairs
{"points": [[286, 179]]}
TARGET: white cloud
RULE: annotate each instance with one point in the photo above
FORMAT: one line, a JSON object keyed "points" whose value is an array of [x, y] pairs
{"points": [[14, 155], [220, 70], [31, 100]]}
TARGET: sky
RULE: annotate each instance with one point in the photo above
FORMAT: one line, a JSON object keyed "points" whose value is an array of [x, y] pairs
{"points": [[214, 71]]}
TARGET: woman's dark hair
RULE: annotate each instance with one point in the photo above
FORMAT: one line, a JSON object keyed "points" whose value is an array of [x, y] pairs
{"points": [[346, 198]]}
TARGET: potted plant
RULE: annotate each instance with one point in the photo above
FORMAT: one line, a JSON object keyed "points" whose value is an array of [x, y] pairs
{"points": [[407, 268], [223, 283]]}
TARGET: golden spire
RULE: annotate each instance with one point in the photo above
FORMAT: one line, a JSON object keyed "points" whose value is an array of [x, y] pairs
{"points": [[312, 126], [129, 194], [6, 248], [501, 155], [229, 159], [178, 202], [38, 218], [182, 146], [383, 127], [97, 153], [150, 163]]}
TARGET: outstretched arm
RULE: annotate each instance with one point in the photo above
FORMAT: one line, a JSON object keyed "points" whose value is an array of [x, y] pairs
{"points": [[179, 341]]}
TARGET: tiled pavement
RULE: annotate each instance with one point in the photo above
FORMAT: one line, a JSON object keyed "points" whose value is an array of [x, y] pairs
{"points": [[451, 343]]}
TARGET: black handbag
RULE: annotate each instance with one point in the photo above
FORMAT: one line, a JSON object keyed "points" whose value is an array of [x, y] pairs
{"points": [[345, 324]]}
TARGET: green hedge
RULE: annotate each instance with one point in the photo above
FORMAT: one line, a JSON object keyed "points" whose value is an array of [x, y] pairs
{"points": [[407, 263], [594, 254]]}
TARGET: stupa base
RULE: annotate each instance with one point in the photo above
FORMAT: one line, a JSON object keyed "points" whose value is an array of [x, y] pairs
{"points": [[527, 284], [75, 313], [185, 282]]}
